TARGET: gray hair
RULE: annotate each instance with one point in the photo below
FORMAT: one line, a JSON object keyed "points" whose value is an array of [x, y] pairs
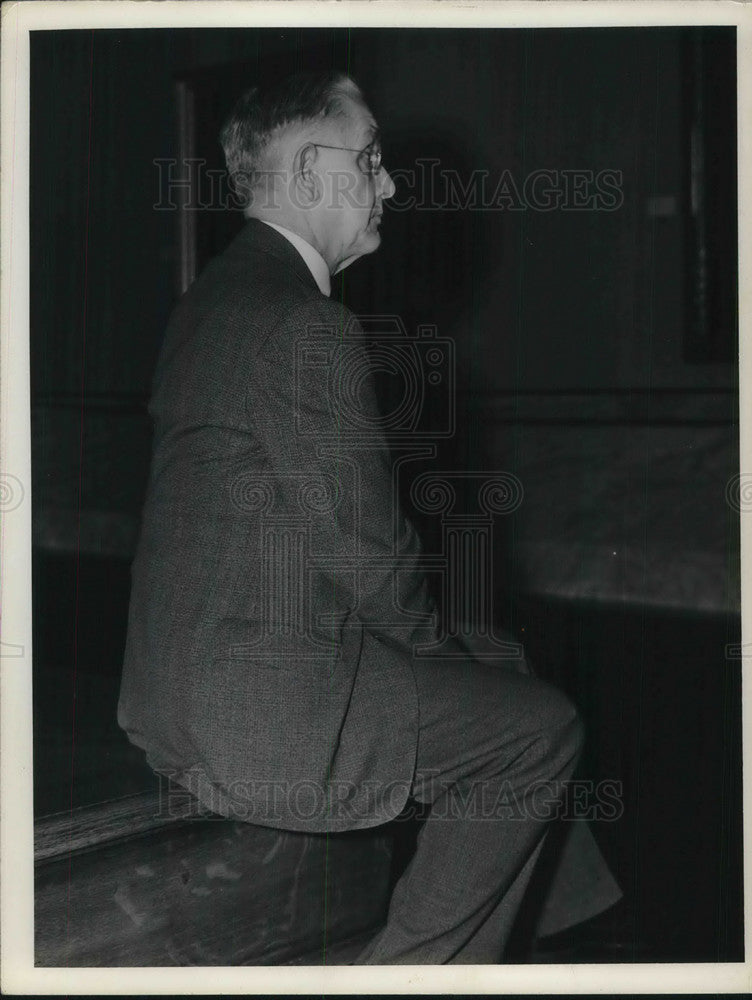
{"points": [[261, 112]]}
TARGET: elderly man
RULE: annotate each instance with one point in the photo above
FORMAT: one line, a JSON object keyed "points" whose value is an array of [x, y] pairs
{"points": [[278, 599]]}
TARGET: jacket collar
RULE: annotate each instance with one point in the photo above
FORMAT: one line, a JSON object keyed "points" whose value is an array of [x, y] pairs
{"points": [[255, 236], [315, 262]]}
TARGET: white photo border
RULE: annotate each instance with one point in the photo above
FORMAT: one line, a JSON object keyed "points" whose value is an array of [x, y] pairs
{"points": [[17, 971]]}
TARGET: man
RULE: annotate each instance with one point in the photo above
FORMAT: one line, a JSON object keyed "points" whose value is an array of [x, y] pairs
{"points": [[278, 597]]}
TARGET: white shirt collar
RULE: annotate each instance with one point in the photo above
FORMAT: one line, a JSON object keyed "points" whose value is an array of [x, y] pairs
{"points": [[316, 263]]}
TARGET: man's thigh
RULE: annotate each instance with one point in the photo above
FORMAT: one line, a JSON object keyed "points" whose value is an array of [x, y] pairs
{"points": [[474, 715]]}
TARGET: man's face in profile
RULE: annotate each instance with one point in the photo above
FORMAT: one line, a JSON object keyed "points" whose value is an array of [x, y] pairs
{"points": [[352, 205]]}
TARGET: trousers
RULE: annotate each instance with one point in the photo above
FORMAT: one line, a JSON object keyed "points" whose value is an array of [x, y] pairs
{"points": [[495, 750]]}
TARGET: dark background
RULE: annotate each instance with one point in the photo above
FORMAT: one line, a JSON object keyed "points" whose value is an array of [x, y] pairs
{"points": [[596, 361]]}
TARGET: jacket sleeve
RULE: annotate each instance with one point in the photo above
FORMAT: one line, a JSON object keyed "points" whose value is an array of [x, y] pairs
{"points": [[311, 404]]}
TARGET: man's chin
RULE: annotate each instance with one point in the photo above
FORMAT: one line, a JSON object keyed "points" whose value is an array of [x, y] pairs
{"points": [[372, 237], [366, 246]]}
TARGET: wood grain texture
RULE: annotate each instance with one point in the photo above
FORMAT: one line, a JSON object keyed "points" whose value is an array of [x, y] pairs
{"points": [[210, 892], [78, 829]]}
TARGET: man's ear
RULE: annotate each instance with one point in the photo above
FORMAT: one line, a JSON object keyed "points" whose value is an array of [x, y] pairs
{"points": [[308, 186]]}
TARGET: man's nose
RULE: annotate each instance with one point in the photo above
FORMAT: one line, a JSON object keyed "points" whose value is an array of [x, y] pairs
{"points": [[387, 187]]}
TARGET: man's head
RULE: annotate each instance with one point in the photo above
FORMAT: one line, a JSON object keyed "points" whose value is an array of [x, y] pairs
{"points": [[305, 154]]}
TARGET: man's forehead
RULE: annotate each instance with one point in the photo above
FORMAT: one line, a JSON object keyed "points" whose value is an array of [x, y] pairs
{"points": [[361, 123], [369, 127]]}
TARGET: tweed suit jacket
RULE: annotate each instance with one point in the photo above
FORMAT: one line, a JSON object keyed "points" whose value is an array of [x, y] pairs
{"points": [[268, 656]]}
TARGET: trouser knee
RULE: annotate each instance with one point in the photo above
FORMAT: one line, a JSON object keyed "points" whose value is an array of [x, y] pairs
{"points": [[566, 731], [559, 725]]}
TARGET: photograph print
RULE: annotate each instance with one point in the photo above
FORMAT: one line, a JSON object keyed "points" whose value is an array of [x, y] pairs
{"points": [[385, 497]]}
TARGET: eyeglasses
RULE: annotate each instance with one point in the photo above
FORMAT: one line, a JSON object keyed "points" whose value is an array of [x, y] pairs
{"points": [[369, 159]]}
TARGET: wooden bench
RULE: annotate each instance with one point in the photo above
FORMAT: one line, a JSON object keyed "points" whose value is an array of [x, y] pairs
{"points": [[121, 883]]}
